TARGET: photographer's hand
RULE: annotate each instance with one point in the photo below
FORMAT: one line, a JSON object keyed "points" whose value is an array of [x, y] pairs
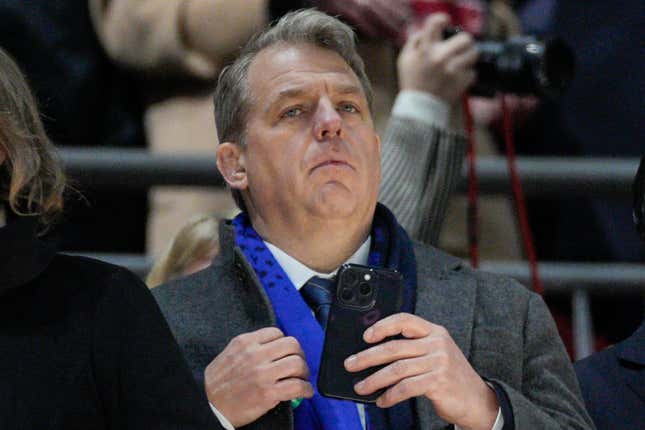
{"points": [[427, 362], [254, 373], [443, 68]]}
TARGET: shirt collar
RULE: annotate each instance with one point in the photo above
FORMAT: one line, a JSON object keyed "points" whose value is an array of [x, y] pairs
{"points": [[299, 274]]}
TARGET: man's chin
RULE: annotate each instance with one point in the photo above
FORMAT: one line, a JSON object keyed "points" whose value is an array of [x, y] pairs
{"points": [[337, 204]]}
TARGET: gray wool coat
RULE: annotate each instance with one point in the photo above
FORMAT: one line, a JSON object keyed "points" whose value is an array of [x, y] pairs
{"points": [[505, 331]]}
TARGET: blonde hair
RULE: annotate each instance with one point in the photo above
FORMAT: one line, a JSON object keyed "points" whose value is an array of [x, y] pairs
{"points": [[31, 176], [196, 240]]}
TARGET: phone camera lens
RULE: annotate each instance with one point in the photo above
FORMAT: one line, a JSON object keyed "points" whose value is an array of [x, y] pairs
{"points": [[347, 294], [365, 289], [350, 278]]}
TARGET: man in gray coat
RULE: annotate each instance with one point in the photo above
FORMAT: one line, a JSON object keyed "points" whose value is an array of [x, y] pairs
{"points": [[301, 155]]}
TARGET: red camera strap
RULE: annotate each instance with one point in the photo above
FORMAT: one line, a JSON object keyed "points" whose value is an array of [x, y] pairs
{"points": [[518, 194]]}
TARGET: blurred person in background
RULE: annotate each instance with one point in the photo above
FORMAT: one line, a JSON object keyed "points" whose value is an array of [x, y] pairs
{"points": [[86, 102], [613, 381], [191, 250], [408, 188], [601, 115], [83, 343]]}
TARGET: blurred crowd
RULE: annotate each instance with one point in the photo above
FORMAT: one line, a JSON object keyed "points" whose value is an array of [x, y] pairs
{"points": [[124, 73], [142, 73]]}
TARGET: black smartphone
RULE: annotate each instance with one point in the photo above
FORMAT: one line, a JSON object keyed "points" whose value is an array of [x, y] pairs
{"points": [[364, 295]]}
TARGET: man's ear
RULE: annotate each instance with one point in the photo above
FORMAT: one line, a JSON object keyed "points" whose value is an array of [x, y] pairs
{"points": [[230, 162]]}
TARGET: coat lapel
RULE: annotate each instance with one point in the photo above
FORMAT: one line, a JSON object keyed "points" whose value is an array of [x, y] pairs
{"points": [[447, 298], [257, 313], [631, 353]]}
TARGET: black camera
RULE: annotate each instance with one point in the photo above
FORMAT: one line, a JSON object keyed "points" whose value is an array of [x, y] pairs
{"points": [[522, 65]]}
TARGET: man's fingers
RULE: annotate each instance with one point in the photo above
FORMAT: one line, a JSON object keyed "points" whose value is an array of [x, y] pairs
{"points": [[264, 335], [434, 26], [404, 390], [282, 347], [414, 40], [392, 374], [292, 388], [410, 326], [454, 46], [292, 366], [386, 353], [463, 61]]}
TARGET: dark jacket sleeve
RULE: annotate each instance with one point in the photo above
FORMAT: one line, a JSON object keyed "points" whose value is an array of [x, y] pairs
{"points": [[141, 375], [550, 397]]}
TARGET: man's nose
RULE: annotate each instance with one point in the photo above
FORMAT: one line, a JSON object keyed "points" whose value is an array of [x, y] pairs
{"points": [[327, 121]]}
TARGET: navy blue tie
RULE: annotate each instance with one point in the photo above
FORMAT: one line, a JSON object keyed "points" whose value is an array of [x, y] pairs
{"points": [[318, 293]]}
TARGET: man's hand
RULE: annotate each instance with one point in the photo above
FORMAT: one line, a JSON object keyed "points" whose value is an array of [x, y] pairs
{"points": [[254, 373], [427, 362], [443, 68], [373, 18]]}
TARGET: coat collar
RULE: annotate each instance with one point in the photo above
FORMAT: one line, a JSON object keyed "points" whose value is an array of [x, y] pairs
{"points": [[631, 353], [633, 348], [23, 255]]}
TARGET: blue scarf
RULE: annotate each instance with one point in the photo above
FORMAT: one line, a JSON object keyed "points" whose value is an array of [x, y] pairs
{"points": [[390, 248]]}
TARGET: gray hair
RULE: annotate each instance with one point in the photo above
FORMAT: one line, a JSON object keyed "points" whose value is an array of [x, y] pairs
{"points": [[232, 96]]}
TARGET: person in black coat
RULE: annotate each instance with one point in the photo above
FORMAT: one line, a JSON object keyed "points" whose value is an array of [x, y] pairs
{"points": [[613, 381], [613, 384], [83, 344]]}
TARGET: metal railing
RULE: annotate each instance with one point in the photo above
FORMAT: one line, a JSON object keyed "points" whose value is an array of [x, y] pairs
{"points": [[610, 178], [140, 169]]}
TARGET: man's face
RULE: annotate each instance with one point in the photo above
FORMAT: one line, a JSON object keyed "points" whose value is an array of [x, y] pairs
{"points": [[311, 148]]}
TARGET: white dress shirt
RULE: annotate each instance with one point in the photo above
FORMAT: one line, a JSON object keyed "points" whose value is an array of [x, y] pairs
{"points": [[299, 274]]}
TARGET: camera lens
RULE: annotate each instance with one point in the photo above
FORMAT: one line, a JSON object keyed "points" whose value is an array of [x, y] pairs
{"points": [[365, 289], [347, 294], [350, 278]]}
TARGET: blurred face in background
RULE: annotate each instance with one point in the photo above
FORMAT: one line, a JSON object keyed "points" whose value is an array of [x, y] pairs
{"points": [[311, 148]]}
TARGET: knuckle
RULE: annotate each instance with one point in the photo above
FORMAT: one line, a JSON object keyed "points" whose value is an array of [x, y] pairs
{"points": [[302, 367], [402, 389], [442, 360], [245, 356], [434, 60], [274, 331], [399, 368], [240, 341], [390, 348], [441, 330], [292, 344]]}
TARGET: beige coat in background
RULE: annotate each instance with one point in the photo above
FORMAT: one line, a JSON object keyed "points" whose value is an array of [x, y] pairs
{"points": [[177, 47]]}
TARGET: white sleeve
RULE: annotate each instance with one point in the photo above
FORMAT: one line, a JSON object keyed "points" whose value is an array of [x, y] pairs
{"points": [[499, 422], [223, 421]]}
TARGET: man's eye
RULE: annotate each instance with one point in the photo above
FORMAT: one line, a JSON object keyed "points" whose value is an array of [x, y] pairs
{"points": [[348, 107], [293, 112]]}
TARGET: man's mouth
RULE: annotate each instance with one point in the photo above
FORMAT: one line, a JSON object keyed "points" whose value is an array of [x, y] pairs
{"points": [[332, 163]]}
